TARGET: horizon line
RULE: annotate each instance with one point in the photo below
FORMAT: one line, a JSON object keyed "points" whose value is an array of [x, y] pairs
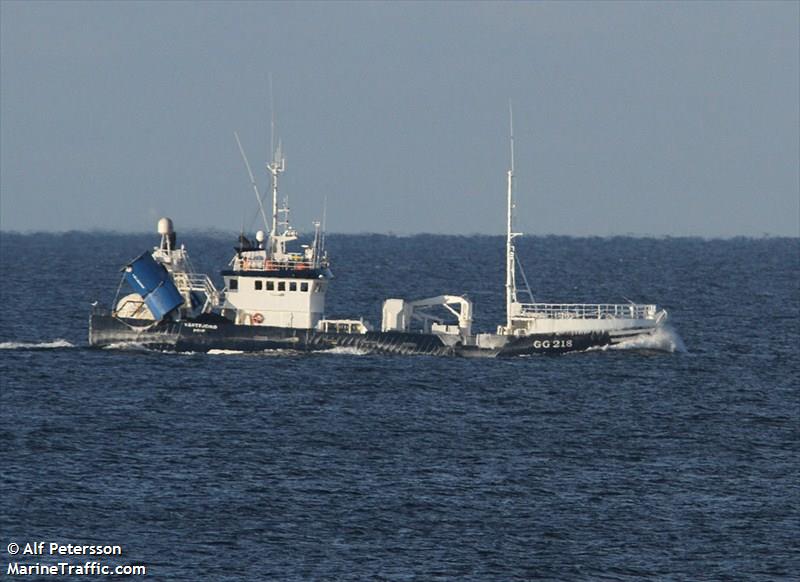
{"points": [[234, 232]]}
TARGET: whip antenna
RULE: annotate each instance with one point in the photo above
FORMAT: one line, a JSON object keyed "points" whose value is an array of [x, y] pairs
{"points": [[252, 181], [324, 218], [271, 118]]}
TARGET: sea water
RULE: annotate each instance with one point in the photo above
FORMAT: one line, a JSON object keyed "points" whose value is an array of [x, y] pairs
{"points": [[674, 459]]}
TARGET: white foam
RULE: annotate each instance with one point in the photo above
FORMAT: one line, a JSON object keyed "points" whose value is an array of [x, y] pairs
{"points": [[348, 351], [131, 346], [55, 344], [279, 352], [662, 339]]}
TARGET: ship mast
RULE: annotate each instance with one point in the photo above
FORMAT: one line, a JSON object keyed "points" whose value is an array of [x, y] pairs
{"points": [[511, 286], [275, 167]]}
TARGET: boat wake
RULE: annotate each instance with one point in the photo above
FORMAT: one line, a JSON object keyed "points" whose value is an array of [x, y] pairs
{"points": [[53, 345], [663, 339], [130, 347], [347, 351], [276, 353]]}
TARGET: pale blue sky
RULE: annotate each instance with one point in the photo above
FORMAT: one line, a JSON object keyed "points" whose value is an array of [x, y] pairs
{"points": [[631, 118]]}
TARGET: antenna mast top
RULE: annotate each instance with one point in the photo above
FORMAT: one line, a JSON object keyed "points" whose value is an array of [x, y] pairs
{"points": [[511, 283], [511, 133], [277, 240]]}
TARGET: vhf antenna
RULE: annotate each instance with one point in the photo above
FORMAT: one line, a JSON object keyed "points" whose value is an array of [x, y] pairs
{"points": [[324, 219], [271, 118]]}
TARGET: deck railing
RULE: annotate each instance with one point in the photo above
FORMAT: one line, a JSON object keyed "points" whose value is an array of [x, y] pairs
{"points": [[197, 282], [245, 264], [586, 311]]}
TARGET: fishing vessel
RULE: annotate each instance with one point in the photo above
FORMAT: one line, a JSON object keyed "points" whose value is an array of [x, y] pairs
{"points": [[274, 298]]}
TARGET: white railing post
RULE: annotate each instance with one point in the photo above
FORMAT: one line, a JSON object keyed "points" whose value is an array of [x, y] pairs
{"points": [[587, 310]]}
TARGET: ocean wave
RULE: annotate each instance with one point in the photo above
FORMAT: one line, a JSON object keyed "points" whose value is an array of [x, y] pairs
{"points": [[52, 345]]}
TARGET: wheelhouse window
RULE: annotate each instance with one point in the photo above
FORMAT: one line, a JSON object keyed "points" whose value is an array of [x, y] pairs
{"points": [[233, 285], [293, 286], [304, 286], [259, 285], [281, 286], [270, 285]]}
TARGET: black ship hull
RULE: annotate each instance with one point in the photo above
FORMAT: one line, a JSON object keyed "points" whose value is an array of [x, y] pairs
{"points": [[213, 332]]}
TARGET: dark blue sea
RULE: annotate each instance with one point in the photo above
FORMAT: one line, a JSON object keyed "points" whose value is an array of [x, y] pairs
{"points": [[674, 462]]}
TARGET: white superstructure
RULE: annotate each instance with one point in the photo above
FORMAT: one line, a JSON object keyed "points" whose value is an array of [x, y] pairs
{"points": [[268, 284], [261, 298]]}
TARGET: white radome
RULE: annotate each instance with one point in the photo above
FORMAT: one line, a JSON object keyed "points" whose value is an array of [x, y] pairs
{"points": [[165, 225]]}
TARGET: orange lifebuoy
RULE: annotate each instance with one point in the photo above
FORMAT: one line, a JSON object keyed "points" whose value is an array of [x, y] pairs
{"points": [[258, 318]]}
